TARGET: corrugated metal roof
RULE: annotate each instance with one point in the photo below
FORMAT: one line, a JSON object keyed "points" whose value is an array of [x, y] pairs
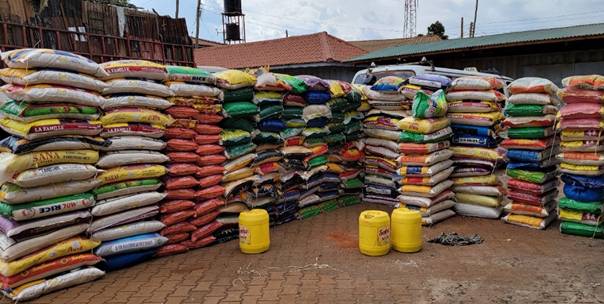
{"points": [[486, 41]]}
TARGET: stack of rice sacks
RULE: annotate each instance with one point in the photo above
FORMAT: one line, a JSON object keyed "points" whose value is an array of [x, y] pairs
{"points": [[130, 190], [475, 115], [425, 164], [279, 120], [581, 124], [382, 132], [317, 191], [195, 170], [238, 128], [47, 171], [531, 152]]}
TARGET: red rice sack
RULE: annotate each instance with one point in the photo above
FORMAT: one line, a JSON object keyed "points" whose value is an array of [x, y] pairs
{"points": [[574, 95], [210, 193], [183, 157], [182, 227], [181, 112], [205, 129], [199, 243], [182, 169], [181, 145], [202, 220], [177, 238], [210, 170], [210, 181], [177, 217], [205, 231], [209, 160], [175, 183], [209, 118], [175, 206], [172, 249], [181, 194], [209, 149], [207, 139], [180, 133], [208, 206]]}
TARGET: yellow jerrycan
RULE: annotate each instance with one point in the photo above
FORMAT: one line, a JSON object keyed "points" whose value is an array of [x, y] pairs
{"points": [[254, 236], [406, 230], [374, 233]]}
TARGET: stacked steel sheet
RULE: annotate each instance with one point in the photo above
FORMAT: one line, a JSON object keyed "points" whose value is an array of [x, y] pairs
{"points": [[195, 169], [425, 164], [531, 150], [475, 114], [130, 190], [48, 171], [582, 156]]}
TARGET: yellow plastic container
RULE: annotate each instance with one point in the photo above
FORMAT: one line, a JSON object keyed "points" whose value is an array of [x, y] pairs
{"points": [[254, 235], [406, 230], [374, 233]]}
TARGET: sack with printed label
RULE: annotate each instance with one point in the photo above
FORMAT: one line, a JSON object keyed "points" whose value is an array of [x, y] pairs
{"points": [[51, 59]]}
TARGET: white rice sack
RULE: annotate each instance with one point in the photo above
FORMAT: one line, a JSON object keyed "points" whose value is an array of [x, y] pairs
{"points": [[123, 218], [396, 114], [134, 68], [533, 98], [51, 59], [426, 170], [375, 95], [122, 203], [425, 202], [119, 143], [437, 217], [477, 83], [54, 174], [69, 279], [426, 191], [384, 152], [477, 211], [128, 230], [130, 244], [43, 93], [480, 190], [24, 77], [130, 157], [11, 250], [127, 188], [190, 90], [137, 101], [33, 227], [378, 142], [374, 179], [133, 86], [426, 160], [383, 134], [13, 194], [315, 111], [475, 95], [435, 208]]}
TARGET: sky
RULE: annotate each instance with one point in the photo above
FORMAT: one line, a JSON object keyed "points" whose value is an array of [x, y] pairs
{"points": [[381, 19]]}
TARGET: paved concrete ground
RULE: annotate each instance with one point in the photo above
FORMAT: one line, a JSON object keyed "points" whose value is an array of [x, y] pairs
{"points": [[317, 261]]}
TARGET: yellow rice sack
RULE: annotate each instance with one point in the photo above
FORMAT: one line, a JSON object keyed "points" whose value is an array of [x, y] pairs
{"points": [[475, 199], [127, 115], [25, 77], [234, 79], [134, 69], [476, 180], [475, 152], [124, 173], [423, 126]]}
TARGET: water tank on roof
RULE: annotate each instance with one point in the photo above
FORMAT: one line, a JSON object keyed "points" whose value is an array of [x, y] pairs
{"points": [[232, 7], [232, 32]]}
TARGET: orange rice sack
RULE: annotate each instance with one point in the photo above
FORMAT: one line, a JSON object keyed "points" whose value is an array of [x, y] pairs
{"points": [[181, 145], [532, 85], [206, 129], [207, 139], [180, 133], [209, 206], [177, 238], [182, 169], [182, 227], [183, 157], [205, 219], [209, 149], [210, 170], [199, 243], [210, 181], [181, 112], [184, 182], [184, 123], [172, 249], [209, 193], [209, 118], [587, 82], [177, 217], [181, 194], [175, 206], [205, 231], [267, 168], [209, 160]]}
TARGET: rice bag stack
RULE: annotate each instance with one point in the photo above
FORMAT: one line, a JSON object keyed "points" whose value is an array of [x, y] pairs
{"points": [[195, 168], [424, 161], [47, 171], [133, 164], [238, 129], [380, 125], [475, 114], [581, 125], [531, 152], [317, 116]]}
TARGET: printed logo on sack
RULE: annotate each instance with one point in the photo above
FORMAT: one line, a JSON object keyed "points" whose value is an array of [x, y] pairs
{"points": [[383, 235]]}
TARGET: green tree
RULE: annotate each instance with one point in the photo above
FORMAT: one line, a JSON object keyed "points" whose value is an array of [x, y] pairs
{"points": [[437, 29]]}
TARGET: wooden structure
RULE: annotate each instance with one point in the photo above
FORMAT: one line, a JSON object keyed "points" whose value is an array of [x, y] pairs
{"points": [[94, 29]]}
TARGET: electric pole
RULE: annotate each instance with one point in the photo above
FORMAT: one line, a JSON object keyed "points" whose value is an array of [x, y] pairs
{"points": [[177, 5], [198, 19], [461, 27], [474, 23]]}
